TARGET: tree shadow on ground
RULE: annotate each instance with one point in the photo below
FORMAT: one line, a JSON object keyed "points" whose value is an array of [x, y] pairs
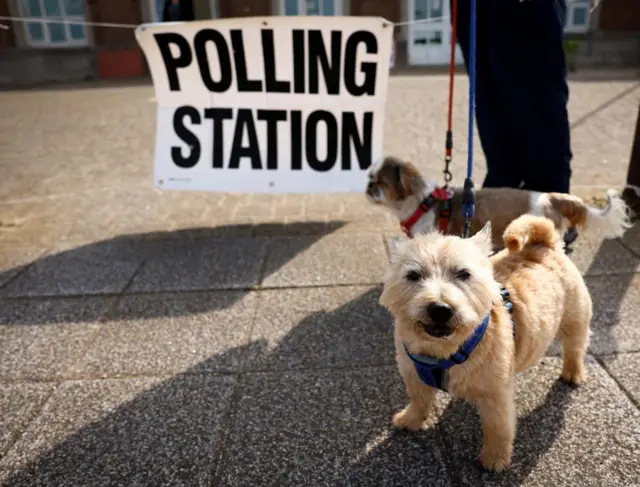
{"points": [[313, 420], [191, 259]]}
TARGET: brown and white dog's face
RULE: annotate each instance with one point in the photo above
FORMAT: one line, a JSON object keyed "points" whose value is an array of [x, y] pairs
{"points": [[392, 181], [439, 288]]}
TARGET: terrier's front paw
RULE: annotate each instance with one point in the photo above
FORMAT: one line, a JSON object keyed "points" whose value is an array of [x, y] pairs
{"points": [[574, 376], [494, 461], [408, 419]]}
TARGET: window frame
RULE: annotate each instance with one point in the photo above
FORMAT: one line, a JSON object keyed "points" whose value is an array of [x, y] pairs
{"points": [[302, 8], [64, 19], [572, 28]]}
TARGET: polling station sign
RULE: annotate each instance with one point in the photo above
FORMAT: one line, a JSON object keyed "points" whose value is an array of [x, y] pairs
{"points": [[268, 104]]}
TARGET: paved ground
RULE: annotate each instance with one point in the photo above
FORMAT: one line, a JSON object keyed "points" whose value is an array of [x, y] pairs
{"points": [[208, 339]]}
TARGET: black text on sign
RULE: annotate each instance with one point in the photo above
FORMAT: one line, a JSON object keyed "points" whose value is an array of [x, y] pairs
{"points": [[313, 62], [268, 103]]}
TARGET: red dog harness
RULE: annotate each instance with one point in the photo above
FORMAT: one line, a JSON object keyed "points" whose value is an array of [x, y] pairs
{"points": [[438, 195]]}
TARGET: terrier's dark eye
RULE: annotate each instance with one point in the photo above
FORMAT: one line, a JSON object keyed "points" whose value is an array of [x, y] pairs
{"points": [[413, 276], [463, 274]]}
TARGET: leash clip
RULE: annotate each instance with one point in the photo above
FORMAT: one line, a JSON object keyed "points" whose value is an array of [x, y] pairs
{"points": [[468, 205], [447, 159]]}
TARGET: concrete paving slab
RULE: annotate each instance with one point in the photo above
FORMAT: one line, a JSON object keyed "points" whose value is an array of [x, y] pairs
{"points": [[625, 368], [129, 210], [103, 267], [42, 339], [32, 222], [134, 432], [595, 256], [324, 207], [42, 352], [335, 259], [325, 428], [201, 264], [13, 261], [616, 305], [587, 437], [171, 333], [19, 403], [321, 327]]}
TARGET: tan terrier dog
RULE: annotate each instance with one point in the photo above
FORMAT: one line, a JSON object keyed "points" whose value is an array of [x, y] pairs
{"points": [[454, 330]]}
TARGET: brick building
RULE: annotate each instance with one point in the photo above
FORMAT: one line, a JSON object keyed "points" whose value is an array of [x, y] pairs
{"points": [[35, 52]]}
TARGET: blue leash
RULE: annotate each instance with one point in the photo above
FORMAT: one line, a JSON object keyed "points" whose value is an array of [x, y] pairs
{"points": [[469, 194]]}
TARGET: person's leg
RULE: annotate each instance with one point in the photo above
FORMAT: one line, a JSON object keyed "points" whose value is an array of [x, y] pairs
{"points": [[529, 68], [502, 168]]}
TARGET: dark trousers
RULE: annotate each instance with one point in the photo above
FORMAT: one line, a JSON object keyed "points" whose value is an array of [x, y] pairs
{"points": [[521, 91]]}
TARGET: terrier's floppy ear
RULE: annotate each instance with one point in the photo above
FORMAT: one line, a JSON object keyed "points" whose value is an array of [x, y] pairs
{"points": [[410, 179], [399, 179], [483, 239], [404, 176]]}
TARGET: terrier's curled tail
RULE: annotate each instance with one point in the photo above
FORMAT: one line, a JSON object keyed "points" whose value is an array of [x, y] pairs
{"points": [[528, 231]]}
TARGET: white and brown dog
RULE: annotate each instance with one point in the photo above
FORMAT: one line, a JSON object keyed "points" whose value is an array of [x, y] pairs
{"points": [[422, 207]]}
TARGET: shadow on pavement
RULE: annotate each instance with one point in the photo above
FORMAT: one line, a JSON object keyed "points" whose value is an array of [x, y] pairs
{"points": [[458, 434], [302, 427], [607, 300], [193, 259]]}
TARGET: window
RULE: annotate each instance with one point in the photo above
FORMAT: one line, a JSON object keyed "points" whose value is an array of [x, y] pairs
{"points": [[427, 9], [311, 7], [157, 8], [577, 16], [54, 34]]}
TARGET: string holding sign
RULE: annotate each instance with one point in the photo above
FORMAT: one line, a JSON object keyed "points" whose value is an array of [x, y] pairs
{"points": [[278, 104]]}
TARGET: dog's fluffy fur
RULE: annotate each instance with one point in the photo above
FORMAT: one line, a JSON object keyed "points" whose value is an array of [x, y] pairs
{"points": [[550, 301], [399, 187]]}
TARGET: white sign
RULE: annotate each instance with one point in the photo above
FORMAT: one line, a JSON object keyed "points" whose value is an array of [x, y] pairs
{"points": [[268, 104]]}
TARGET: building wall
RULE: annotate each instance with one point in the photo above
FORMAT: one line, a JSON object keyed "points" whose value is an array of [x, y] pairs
{"points": [[614, 36], [21, 64], [25, 67], [117, 12], [620, 16], [110, 51], [7, 38]]}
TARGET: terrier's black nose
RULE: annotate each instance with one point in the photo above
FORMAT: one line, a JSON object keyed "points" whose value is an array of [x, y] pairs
{"points": [[439, 313]]}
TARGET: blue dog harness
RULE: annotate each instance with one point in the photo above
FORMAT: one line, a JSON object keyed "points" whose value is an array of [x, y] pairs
{"points": [[434, 372]]}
